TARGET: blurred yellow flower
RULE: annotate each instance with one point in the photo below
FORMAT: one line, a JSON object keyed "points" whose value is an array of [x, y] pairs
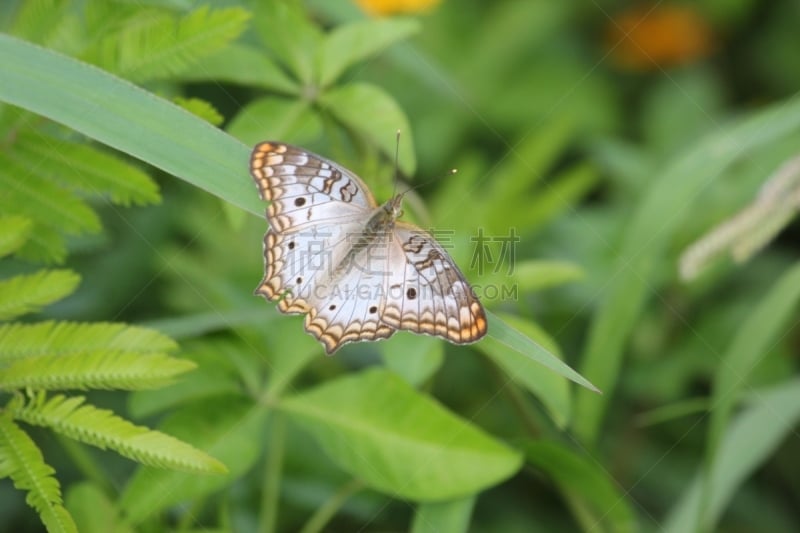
{"points": [[645, 38], [395, 7]]}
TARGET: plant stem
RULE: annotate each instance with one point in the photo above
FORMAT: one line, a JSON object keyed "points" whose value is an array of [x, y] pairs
{"points": [[323, 515], [272, 474]]}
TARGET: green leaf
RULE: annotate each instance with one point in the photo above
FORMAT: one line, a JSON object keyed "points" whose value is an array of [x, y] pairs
{"points": [[84, 168], [537, 275], [379, 429], [14, 231], [504, 334], [27, 293], [666, 205], [753, 437], [287, 30], [25, 192], [289, 354], [217, 375], [348, 44], [93, 511], [562, 192], [21, 460], [127, 118], [751, 343], [93, 370], [414, 357], [18, 341], [153, 44], [589, 489], [274, 118], [102, 428], [551, 389], [244, 65], [372, 113], [38, 20], [229, 429], [201, 108], [450, 516]]}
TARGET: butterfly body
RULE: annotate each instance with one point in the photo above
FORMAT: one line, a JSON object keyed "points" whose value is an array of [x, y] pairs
{"points": [[347, 263]]}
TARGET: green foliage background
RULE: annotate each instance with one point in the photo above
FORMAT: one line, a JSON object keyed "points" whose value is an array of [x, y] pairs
{"points": [[606, 175]]}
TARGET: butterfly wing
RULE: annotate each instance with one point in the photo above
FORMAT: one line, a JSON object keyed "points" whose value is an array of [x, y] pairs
{"points": [[405, 280], [401, 279], [427, 293], [315, 205], [306, 190]]}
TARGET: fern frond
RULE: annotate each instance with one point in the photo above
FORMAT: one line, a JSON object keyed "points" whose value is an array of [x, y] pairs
{"points": [[22, 461], [14, 231], [38, 20], [18, 341], [84, 168], [102, 428], [26, 193], [93, 370], [154, 44], [45, 245], [30, 292], [202, 109]]}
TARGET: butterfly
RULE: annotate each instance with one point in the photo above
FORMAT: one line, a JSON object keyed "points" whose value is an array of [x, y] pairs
{"points": [[345, 262]]}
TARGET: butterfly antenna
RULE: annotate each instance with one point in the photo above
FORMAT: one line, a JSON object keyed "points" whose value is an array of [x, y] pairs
{"points": [[396, 163]]}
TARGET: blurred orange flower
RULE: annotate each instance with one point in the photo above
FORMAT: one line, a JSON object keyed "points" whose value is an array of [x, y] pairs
{"points": [[394, 7], [645, 38]]}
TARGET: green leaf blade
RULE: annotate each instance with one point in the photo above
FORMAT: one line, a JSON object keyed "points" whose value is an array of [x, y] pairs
{"points": [[371, 112], [14, 231], [228, 428], [22, 461], [154, 44], [348, 44], [244, 65], [586, 485], [77, 420], [752, 438], [665, 206], [27, 293], [513, 339], [378, 428], [551, 388], [85, 169], [58, 338], [93, 370], [128, 118]]}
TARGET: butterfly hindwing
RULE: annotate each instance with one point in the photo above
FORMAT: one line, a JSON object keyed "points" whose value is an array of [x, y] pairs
{"points": [[430, 294]]}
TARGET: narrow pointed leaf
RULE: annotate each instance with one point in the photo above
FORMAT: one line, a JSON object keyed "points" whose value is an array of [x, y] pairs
{"points": [[752, 438], [513, 339], [551, 388]]}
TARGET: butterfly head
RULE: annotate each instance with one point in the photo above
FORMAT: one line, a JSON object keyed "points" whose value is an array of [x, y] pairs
{"points": [[394, 207]]}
